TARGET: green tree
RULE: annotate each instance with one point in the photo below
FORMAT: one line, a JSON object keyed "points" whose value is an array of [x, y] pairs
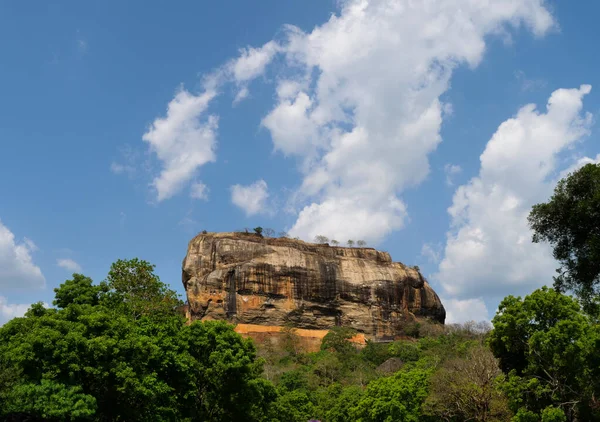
{"points": [[49, 400], [291, 406], [338, 340], [395, 398], [121, 352], [548, 348], [258, 230], [342, 404], [80, 290], [134, 285], [570, 222]]}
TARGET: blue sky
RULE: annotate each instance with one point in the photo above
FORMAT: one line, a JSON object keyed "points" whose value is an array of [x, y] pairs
{"points": [[421, 127]]}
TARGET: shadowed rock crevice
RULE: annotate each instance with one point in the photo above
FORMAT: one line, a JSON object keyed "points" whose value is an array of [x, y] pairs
{"points": [[248, 279]]}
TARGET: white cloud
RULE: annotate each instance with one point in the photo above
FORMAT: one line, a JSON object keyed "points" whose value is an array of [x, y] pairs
{"points": [[185, 139], [458, 311], [199, 190], [9, 311], [451, 170], [252, 62], [252, 198], [69, 265], [182, 141], [16, 262], [489, 252], [364, 111]]}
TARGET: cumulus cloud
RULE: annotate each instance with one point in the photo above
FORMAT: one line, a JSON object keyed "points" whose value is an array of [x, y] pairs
{"points": [[69, 265], [488, 252], [250, 64], [252, 61], [9, 311], [186, 138], [16, 262], [183, 141], [458, 311], [252, 199], [364, 110], [199, 190]]}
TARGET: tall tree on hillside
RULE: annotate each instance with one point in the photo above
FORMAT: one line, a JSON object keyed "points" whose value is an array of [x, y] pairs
{"points": [[136, 287], [466, 389], [570, 222], [549, 350]]}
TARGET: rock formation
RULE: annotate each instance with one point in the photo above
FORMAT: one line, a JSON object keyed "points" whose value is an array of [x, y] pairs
{"points": [[251, 280]]}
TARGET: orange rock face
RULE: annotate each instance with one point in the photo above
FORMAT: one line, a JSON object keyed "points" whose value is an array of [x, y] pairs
{"points": [[247, 279]]}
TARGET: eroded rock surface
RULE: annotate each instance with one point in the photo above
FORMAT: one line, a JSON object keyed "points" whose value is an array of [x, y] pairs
{"points": [[247, 279]]}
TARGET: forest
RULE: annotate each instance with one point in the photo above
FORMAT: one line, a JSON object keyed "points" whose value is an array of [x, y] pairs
{"points": [[120, 350]]}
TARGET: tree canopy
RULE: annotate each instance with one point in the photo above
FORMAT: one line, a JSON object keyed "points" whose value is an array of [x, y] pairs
{"points": [[549, 349], [120, 351], [570, 222]]}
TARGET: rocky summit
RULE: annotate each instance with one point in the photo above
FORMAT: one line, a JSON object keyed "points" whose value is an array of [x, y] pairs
{"points": [[255, 281]]}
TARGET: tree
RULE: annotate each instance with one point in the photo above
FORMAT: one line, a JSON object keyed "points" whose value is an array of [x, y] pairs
{"points": [[292, 406], [135, 286], [342, 402], [268, 232], [338, 340], [395, 398], [548, 348], [321, 239], [350, 243], [334, 242], [570, 222], [361, 243], [80, 291], [258, 230], [291, 340], [118, 351], [284, 234], [466, 389]]}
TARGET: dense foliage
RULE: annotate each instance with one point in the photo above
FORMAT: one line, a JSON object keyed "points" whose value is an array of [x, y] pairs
{"points": [[120, 351], [549, 348], [570, 222]]}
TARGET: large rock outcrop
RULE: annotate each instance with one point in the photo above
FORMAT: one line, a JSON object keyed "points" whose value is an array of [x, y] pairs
{"points": [[247, 279]]}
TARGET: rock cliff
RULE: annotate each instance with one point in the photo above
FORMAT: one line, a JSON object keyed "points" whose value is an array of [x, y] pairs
{"points": [[247, 279]]}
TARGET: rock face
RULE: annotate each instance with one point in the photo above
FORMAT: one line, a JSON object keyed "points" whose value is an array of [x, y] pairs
{"points": [[247, 279]]}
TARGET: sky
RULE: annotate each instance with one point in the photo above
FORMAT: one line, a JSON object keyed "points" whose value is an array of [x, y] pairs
{"points": [[426, 128]]}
